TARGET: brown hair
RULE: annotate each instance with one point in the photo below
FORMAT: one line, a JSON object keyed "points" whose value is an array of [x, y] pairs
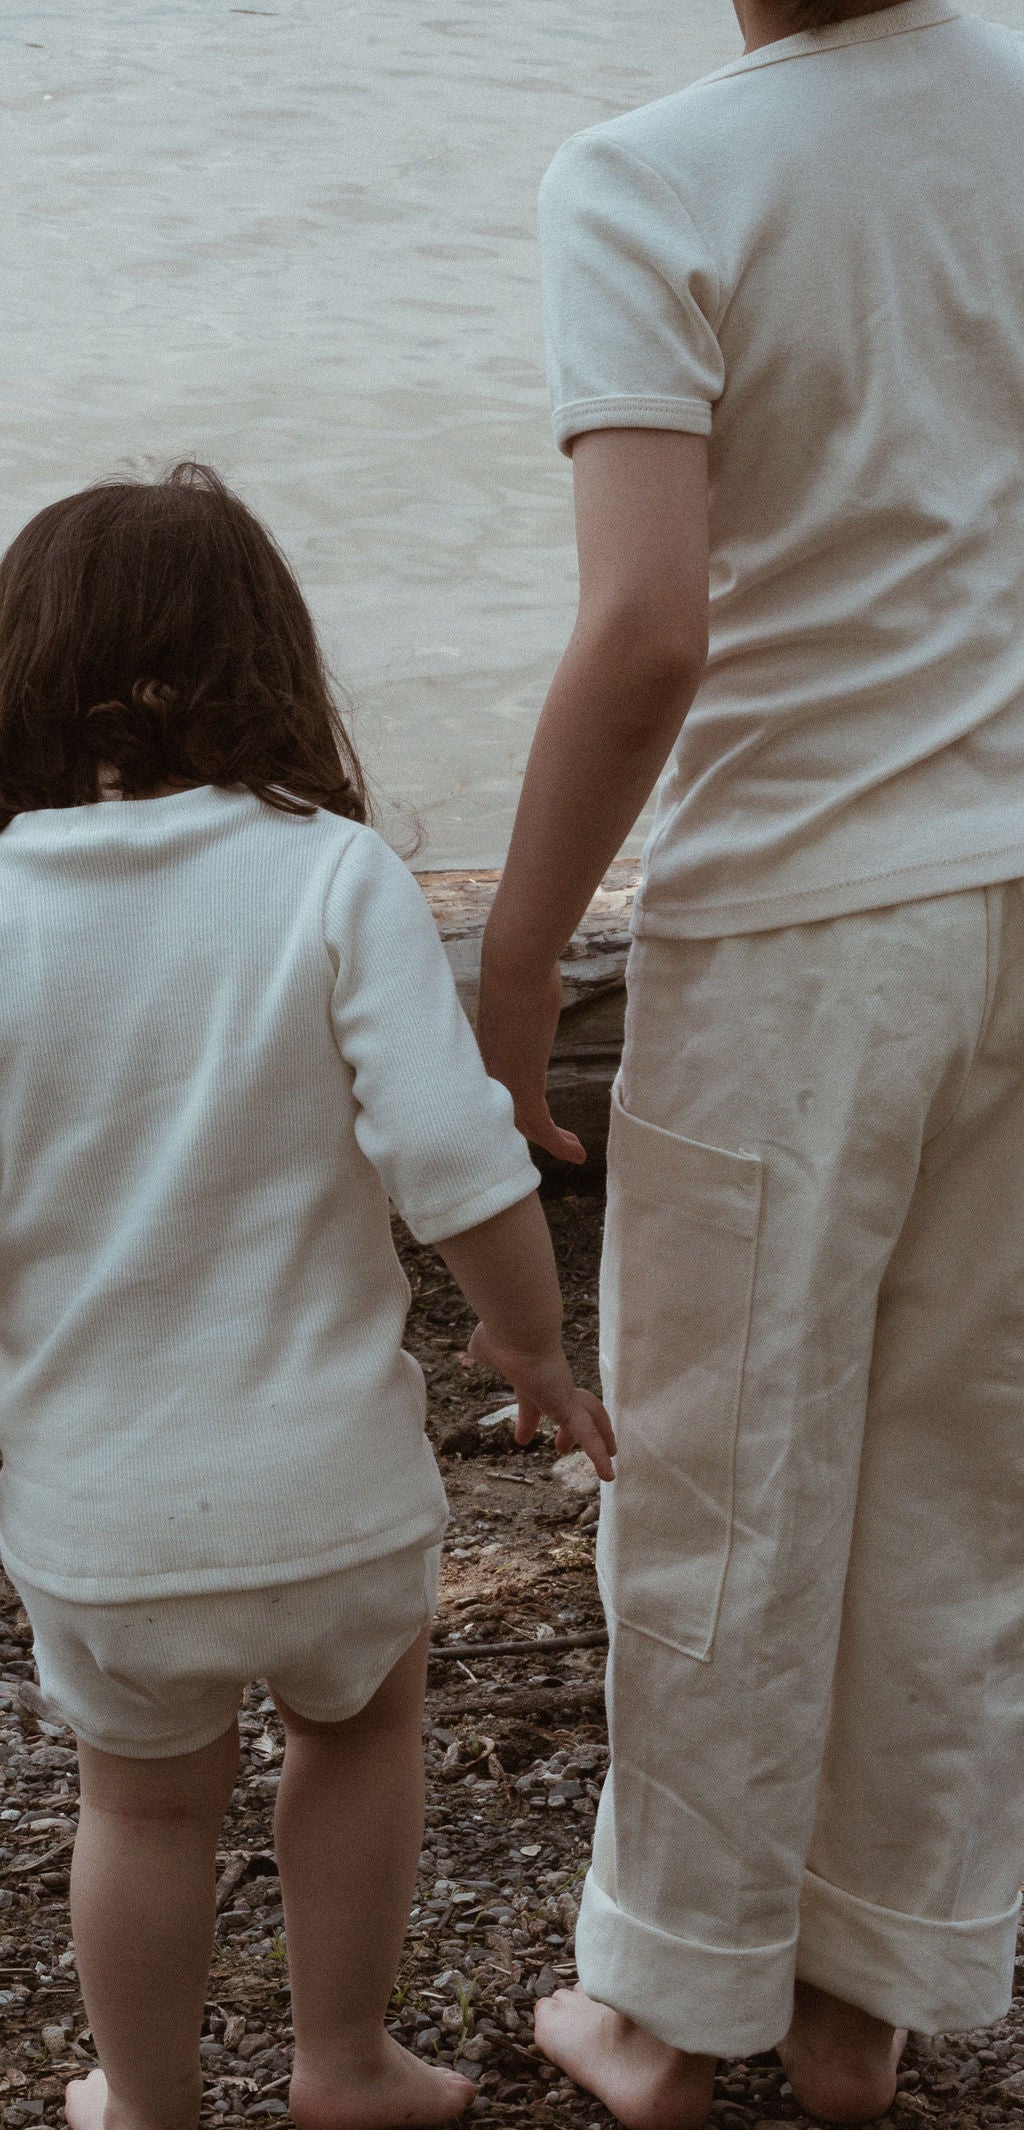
{"points": [[817, 14], [157, 628]]}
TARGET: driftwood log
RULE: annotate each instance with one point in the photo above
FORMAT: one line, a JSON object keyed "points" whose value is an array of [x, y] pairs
{"points": [[589, 1041]]}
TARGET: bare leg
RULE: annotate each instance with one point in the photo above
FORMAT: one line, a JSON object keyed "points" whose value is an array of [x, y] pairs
{"points": [[840, 2062], [348, 1830], [647, 2084], [142, 1913]]}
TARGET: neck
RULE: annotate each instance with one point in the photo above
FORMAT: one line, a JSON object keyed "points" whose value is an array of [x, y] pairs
{"points": [[765, 21]]}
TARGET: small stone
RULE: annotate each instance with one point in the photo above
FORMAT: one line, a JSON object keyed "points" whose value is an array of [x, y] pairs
{"points": [[265, 2107], [576, 1473], [234, 2030], [427, 2039], [545, 1983], [250, 2044], [503, 1414], [54, 2040], [1012, 2088]]}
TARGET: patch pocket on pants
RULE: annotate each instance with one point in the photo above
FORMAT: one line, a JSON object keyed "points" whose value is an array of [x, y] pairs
{"points": [[677, 1283]]}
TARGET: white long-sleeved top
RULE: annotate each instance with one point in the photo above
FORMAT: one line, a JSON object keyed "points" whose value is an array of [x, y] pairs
{"points": [[227, 1036]]}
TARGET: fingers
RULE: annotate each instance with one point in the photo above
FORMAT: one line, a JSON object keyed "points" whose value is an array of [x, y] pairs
{"points": [[584, 1425], [594, 1439], [477, 1349], [528, 1420], [540, 1128]]}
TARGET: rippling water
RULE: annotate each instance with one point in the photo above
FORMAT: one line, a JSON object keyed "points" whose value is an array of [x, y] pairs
{"points": [[298, 241]]}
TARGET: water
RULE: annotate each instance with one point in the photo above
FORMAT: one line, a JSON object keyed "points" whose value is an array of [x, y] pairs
{"points": [[298, 242]]}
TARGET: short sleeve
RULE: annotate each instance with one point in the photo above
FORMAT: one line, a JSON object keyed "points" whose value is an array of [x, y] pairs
{"points": [[631, 295], [437, 1129]]}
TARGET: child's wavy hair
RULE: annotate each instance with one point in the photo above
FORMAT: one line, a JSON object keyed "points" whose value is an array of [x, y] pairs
{"points": [[156, 630]]}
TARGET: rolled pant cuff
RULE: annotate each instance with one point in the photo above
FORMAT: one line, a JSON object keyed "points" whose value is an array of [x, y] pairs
{"points": [[707, 1999], [910, 1971]]}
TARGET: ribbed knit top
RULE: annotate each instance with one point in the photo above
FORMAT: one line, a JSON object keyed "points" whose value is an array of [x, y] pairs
{"points": [[227, 1036]]}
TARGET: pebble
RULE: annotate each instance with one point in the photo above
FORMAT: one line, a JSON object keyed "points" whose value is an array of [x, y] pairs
{"points": [[576, 1473], [250, 2045]]}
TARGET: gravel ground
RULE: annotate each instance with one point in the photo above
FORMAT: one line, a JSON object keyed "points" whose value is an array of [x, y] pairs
{"points": [[516, 1751]]}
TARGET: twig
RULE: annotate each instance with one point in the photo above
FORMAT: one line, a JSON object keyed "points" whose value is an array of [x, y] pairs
{"points": [[594, 1638], [35, 1861], [234, 1870], [535, 1701], [533, 2056]]}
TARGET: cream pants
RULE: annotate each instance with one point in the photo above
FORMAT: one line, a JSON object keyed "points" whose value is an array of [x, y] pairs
{"points": [[811, 1558]]}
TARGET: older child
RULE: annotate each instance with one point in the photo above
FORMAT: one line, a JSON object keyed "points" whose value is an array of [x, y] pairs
{"points": [[786, 328], [227, 1033]]}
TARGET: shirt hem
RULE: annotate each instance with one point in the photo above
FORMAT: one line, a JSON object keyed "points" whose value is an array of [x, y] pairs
{"points": [[187, 1581], [657, 914], [484, 1205], [629, 412]]}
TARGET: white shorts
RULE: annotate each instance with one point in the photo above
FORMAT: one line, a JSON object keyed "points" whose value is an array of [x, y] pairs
{"points": [[153, 1677]]}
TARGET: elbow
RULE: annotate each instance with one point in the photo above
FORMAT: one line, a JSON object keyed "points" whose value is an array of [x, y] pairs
{"points": [[657, 661]]}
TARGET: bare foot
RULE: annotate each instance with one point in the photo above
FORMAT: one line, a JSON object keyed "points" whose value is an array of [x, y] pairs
{"points": [[644, 2082], [398, 2090], [85, 2100], [840, 2061]]}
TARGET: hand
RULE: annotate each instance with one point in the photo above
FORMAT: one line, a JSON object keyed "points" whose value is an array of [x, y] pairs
{"points": [[544, 1387], [516, 1022]]}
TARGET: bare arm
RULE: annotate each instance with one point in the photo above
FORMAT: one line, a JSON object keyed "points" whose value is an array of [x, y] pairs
{"points": [[621, 692], [506, 1270]]}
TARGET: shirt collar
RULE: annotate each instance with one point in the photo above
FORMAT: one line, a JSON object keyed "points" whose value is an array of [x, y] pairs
{"points": [[858, 29]]}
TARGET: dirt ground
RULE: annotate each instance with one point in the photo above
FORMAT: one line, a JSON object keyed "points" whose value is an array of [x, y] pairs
{"points": [[516, 1751]]}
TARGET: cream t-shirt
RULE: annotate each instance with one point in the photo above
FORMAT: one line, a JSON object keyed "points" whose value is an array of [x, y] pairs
{"points": [[227, 1034], [816, 258]]}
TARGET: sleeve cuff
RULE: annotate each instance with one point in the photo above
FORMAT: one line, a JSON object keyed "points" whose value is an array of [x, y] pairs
{"points": [[453, 1218], [571, 420]]}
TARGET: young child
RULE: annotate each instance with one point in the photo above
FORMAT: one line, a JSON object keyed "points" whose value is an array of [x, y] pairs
{"points": [[228, 1034]]}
